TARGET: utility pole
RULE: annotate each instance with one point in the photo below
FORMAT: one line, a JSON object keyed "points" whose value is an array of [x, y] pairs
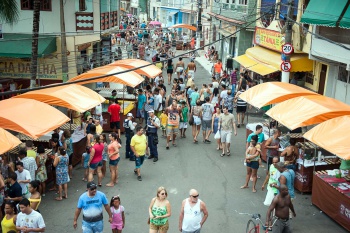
{"points": [[63, 43], [288, 40], [199, 25]]}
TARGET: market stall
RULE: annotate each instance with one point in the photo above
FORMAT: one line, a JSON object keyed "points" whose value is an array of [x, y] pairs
{"points": [[147, 68], [7, 141]]}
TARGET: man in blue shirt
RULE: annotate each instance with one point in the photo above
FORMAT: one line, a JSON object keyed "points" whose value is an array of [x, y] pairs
{"points": [[258, 131], [141, 100], [143, 25], [91, 203]]}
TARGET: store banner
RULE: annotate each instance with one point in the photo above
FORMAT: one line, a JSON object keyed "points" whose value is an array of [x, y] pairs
{"points": [[269, 39]]}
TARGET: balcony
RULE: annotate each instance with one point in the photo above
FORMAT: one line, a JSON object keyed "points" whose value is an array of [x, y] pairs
{"points": [[109, 20], [236, 8], [84, 21]]}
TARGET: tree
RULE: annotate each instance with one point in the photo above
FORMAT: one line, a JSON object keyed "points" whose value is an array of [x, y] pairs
{"points": [[35, 41], [9, 11]]}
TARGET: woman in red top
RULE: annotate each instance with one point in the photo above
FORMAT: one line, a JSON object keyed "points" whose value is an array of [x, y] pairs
{"points": [[95, 161], [113, 154]]}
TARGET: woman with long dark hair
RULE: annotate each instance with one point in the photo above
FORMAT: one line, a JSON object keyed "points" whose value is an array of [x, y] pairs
{"points": [[62, 178], [95, 161], [8, 223], [41, 174], [113, 153], [55, 144], [170, 70], [35, 197]]}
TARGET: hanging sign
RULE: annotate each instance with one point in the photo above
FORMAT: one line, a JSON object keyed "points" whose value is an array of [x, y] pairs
{"points": [[286, 66], [287, 48]]}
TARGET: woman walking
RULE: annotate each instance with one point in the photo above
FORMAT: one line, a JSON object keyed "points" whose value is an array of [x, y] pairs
{"points": [[159, 211], [8, 223], [95, 161], [41, 174], [113, 153], [68, 146], [170, 70], [215, 125], [252, 161], [196, 112], [62, 178], [35, 197], [118, 216]]}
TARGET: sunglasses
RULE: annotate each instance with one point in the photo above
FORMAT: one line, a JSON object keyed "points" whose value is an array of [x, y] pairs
{"points": [[162, 193], [195, 196]]}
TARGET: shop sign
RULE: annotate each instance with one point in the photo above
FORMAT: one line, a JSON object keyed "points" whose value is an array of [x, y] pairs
{"points": [[287, 48], [286, 66], [268, 39], [19, 68]]}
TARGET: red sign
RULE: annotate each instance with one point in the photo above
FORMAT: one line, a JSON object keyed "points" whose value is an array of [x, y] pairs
{"points": [[286, 66], [287, 48]]}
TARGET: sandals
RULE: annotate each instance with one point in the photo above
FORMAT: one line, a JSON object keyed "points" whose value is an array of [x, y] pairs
{"points": [[58, 199], [167, 147], [174, 144], [222, 155], [228, 153]]}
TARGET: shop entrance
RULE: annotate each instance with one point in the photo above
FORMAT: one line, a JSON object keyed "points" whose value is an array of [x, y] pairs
{"points": [[322, 81]]}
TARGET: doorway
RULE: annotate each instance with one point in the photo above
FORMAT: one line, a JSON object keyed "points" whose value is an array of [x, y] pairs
{"points": [[322, 81]]}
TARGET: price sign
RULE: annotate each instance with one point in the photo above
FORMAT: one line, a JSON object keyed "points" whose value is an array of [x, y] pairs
{"points": [[286, 66], [287, 48]]}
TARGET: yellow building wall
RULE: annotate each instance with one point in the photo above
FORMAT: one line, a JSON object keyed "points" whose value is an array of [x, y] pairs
{"points": [[316, 77]]}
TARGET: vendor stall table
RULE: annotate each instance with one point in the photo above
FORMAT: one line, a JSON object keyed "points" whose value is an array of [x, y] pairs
{"points": [[304, 173], [331, 199]]}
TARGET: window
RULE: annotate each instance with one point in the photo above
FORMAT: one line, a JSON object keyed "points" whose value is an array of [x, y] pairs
{"points": [[45, 5], [343, 74], [309, 78], [242, 2]]}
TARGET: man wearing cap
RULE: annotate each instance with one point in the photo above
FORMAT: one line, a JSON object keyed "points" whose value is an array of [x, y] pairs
{"points": [[91, 203], [153, 123], [129, 127]]}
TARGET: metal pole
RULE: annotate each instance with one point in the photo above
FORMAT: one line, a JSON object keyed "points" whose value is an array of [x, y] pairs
{"points": [[288, 38], [199, 25]]}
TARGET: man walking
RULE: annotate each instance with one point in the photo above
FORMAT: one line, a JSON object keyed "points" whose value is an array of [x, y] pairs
{"points": [[207, 114], [157, 102], [193, 214], [153, 124], [271, 178], [226, 125], [29, 220], [129, 127], [91, 203], [141, 101], [281, 204], [138, 146], [23, 178], [191, 68], [217, 69], [115, 110], [173, 123], [272, 144]]}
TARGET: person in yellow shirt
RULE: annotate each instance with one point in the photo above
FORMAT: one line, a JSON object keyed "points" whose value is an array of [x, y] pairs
{"points": [[163, 120], [138, 146], [99, 128], [30, 151]]}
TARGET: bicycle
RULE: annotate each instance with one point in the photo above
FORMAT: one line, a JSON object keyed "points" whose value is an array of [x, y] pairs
{"points": [[252, 227]]}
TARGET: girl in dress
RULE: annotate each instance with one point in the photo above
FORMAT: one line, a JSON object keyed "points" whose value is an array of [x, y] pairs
{"points": [[118, 217], [41, 174]]}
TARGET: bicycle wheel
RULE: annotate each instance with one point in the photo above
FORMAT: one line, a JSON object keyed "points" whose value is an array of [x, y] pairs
{"points": [[251, 227]]}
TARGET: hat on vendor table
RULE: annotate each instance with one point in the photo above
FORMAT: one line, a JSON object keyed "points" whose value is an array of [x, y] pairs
{"points": [[129, 115], [150, 111], [91, 185]]}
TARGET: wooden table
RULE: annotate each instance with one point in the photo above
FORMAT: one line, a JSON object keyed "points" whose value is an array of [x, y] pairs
{"points": [[304, 175], [330, 199]]}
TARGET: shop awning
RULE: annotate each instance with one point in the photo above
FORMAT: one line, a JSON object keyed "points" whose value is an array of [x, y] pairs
{"points": [[273, 93], [150, 71], [332, 135], [193, 28], [307, 110], [76, 97], [129, 78], [324, 13], [11, 48], [7, 141], [345, 21], [270, 61], [30, 117]]}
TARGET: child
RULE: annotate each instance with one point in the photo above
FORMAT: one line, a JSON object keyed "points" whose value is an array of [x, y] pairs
{"points": [[183, 118], [163, 121], [118, 217], [85, 161]]}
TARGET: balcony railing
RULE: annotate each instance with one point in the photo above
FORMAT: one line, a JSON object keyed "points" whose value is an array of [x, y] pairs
{"points": [[84, 21], [109, 20], [231, 7]]}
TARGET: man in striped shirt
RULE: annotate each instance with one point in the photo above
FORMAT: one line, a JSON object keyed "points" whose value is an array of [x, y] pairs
{"points": [[241, 107]]}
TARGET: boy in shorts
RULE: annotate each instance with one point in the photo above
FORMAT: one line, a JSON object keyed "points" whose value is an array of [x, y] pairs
{"points": [[183, 118], [84, 163]]}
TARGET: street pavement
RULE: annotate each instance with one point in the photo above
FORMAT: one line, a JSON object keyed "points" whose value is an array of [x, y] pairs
{"points": [[217, 179]]}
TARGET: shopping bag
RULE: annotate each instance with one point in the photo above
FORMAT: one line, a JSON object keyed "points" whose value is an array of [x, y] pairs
{"points": [[217, 135], [269, 197]]}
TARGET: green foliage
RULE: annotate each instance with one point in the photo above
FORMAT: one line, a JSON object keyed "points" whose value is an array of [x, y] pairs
{"points": [[9, 12]]}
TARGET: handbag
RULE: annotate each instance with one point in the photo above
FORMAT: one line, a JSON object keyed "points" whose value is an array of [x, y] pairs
{"points": [[217, 135], [153, 201], [191, 120]]}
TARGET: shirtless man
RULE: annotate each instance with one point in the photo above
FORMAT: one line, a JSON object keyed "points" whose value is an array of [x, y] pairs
{"points": [[191, 68], [179, 67], [281, 204]]}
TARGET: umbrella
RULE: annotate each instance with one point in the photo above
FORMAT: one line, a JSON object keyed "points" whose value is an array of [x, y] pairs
{"points": [[332, 135], [150, 71], [307, 110], [193, 28], [130, 78], [129, 15], [273, 92], [30, 117], [155, 23], [7, 141], [76, 97]]}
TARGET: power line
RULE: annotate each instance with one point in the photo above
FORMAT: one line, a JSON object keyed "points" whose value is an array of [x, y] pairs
{"points": [[133, 69]]}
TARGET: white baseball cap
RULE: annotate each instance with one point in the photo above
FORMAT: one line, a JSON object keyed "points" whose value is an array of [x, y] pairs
{"points": [[129, 115]]}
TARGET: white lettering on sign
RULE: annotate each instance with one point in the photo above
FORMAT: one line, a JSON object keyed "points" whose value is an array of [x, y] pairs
{"points": [[300, 177]]}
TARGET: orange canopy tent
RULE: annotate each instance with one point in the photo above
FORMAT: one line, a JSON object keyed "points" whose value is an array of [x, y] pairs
{"points": [[7, 141], [76, 97], [130, 78], [150, 71], [332, 135], [30, 117], [272, 93], [307, 110], [193, 28]]}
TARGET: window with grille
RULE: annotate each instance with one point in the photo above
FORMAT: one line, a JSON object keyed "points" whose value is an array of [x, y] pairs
{"points": [[45, 5], [343, 74]]}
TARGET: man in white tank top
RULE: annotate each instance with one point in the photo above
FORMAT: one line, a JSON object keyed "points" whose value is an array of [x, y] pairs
{"points": [[193, 214]]}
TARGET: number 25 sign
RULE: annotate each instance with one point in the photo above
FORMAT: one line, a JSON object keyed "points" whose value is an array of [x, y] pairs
{"points": [[287, 48]]}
